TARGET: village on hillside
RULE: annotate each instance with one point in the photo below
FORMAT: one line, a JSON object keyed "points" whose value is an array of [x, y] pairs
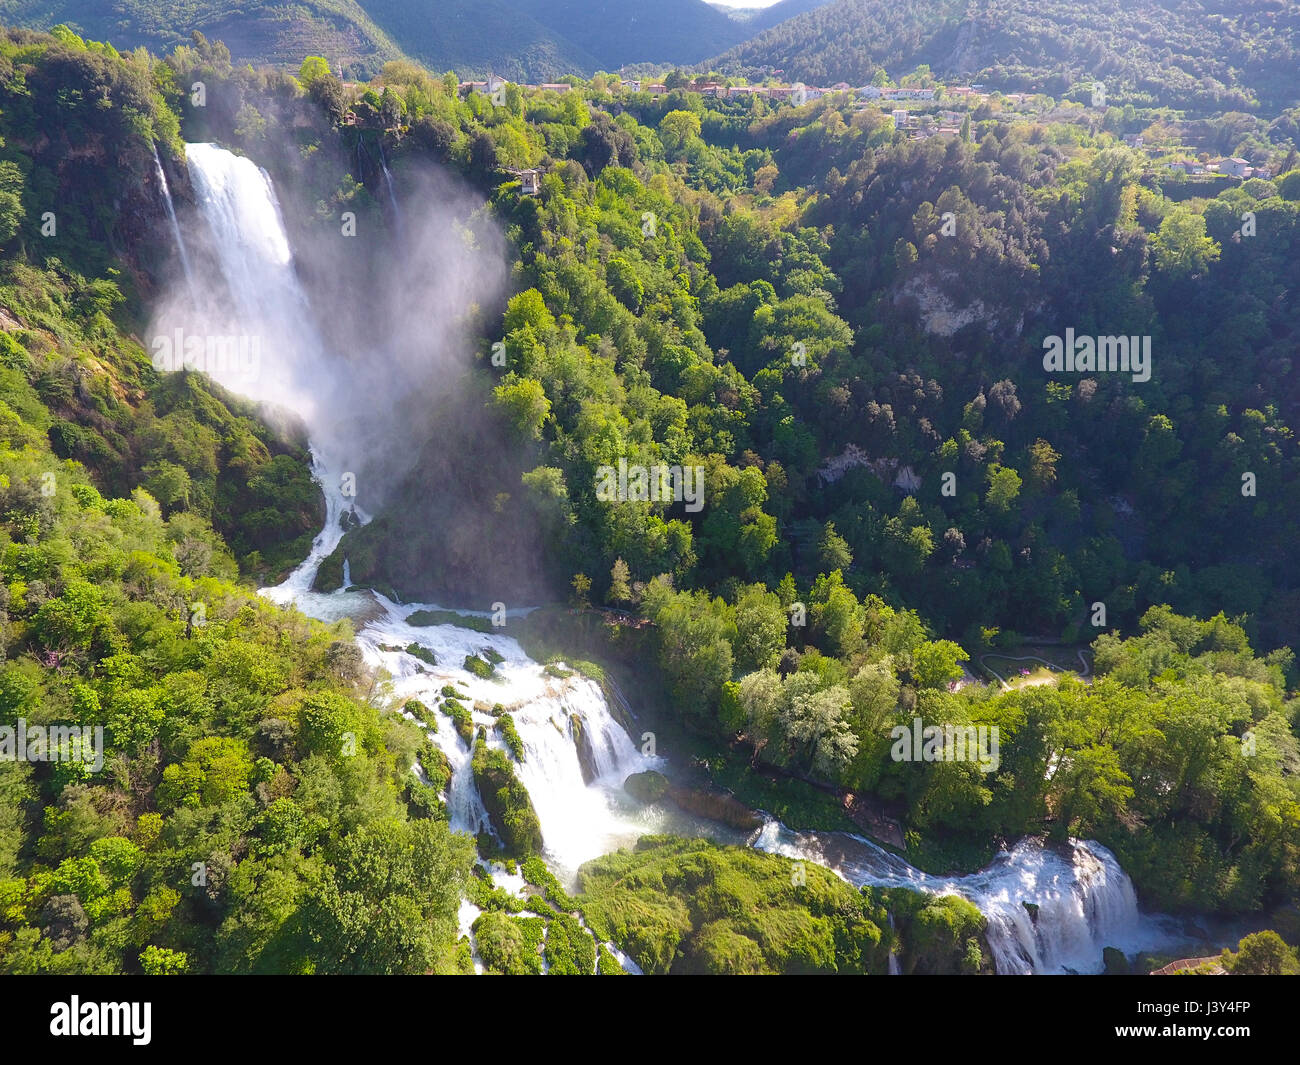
{"points": [[920, 112], [919, 124]]}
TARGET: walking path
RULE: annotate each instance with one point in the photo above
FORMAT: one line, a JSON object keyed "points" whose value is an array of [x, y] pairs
{"points": [[1054, 667]]}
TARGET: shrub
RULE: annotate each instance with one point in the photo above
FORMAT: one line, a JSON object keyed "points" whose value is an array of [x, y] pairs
{"points": [[510, 945], [506, 726], [461, 718]]}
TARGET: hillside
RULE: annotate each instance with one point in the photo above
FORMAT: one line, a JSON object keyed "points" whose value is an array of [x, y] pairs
{"points": [[258, 32], [1147, 52], [520, 39]]}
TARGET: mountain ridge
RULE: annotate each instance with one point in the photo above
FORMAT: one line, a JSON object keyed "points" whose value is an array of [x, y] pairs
{"points": [[1147, 52]]}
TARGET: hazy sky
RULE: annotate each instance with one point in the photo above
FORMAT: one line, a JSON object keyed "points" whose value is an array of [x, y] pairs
{"points": [[745, 3]]}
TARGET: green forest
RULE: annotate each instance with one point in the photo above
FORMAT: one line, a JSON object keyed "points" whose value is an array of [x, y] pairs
{"points": [[842, 327]]}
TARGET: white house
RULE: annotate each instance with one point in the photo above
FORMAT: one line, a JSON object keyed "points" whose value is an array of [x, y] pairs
{"points": [[1235, 166], [909, 94]]}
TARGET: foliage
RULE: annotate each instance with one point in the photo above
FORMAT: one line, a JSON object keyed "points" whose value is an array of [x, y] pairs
{"points": [[689, 906]]}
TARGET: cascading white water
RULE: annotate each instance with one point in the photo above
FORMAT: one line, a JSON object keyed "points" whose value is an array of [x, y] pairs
{"points": [[388, 181], [171, 218], [268, 312], [1084, 900], [296, 588], [579, 819]]}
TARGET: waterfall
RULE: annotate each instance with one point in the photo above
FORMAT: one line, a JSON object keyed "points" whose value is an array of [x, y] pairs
{"points": [[340, 512], [237, 201], [580, 820], [1083, 898], [895, 969], [171, 218], [267, 307], [388, 179]]}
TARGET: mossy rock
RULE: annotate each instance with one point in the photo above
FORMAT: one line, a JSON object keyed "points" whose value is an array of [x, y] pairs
{"points": [[422, 714], [461, 718], [646, 787], [1116, 962], [582, 744], [422, 653], [939, 935], [506, 727], [423, 618], [479, 667], [716, 806], [508, 806]]}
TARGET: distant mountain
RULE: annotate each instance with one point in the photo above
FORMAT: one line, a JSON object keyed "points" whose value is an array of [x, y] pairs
{"points": [[521, 39], [618, 32], [757, 19], [1216, 53], [481, 36]]}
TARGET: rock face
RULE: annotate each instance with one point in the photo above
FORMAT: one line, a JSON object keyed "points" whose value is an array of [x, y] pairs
{"points": [[1116, 963], [703, 802], [715, 805], [943, 314], [587, 757]]}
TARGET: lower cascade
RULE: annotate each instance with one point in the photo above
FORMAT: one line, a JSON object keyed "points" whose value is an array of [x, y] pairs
{"points": [[1050, 910]]}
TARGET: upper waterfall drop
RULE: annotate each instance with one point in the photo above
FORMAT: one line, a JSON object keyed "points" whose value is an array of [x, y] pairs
{"points": [[267, 311], [237, 200]]}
